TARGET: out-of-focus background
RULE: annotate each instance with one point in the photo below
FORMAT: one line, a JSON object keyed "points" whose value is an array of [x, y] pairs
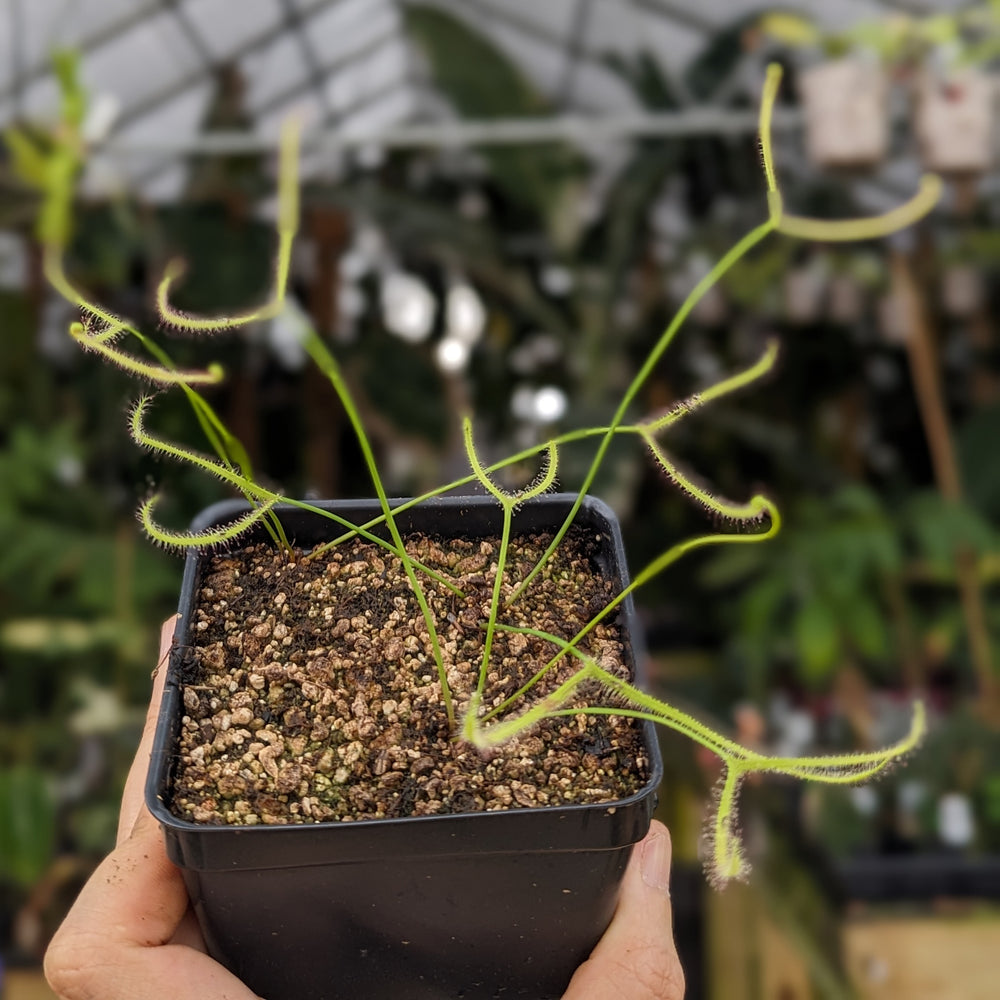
{"points": [[504, 203]]}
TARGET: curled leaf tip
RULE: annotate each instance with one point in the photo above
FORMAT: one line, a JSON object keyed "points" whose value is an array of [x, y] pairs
{"points": [[210, 538], [841, 230]]}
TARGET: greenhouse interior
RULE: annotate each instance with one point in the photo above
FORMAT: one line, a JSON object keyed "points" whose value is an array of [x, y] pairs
{"points": [[672, 323]]}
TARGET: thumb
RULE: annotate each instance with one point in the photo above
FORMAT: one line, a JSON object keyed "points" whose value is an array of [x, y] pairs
{"points": [[115, 943], [636, 959]]}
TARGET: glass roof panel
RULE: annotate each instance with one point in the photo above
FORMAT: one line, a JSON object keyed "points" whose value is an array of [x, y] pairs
{"points": [[349, 26], [391, 108], [181, 115], [308, 105], [369, 75], [304, 6], [612, 29], [222, 32], [544, 63], [40, 100], [600, 90], [345, 61], [143, 62], [274, 71], [31, 29], [553, 18]]}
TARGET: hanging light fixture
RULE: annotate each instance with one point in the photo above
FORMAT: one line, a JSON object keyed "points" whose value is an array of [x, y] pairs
{"points": [[286, 334], [452, 354], [408, 307], [465, 314]]}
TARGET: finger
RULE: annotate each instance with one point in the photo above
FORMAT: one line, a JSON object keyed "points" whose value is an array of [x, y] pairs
{"points": [[636, 959], [114, 943], [132, 796]]}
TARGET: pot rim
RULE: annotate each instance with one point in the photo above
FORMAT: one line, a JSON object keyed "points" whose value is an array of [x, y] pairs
{"points": [[482, 831]]}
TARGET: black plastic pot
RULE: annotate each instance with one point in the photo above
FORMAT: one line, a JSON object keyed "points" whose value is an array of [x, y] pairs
{"points": [[917, 878], [479, 905]]}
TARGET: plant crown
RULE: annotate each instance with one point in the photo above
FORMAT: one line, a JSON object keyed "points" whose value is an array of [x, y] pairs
{"points": [[103, 333]]}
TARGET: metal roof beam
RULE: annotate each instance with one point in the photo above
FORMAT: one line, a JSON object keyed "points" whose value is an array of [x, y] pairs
{"points": [[193, 79], [584, 129]]}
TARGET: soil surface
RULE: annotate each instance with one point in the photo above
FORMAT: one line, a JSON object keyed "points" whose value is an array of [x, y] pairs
{"points": [[311, 694]]}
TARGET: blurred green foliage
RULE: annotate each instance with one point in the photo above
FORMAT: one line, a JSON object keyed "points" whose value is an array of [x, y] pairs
{"points": [[27, 823], [845, 572]]}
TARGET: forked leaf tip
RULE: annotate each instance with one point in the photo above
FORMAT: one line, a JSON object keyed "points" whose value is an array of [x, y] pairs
{"points": [[725, 858]]}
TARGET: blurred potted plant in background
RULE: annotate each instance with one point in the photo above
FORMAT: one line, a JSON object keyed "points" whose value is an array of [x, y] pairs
{"points": [[844, 87], [846, 99]]}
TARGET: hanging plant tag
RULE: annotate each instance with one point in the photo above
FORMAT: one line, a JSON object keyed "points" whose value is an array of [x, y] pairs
{"points": [[845, 110], [954, 121]]}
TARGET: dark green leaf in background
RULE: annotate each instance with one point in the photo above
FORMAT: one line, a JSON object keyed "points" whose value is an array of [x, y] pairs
{"points": [[27, 824], [816, 639]]}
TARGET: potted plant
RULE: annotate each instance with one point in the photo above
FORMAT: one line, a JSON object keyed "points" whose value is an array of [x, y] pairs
{"points": [[844, 87], [845, 102], [845, 96], [402, 749], [955, 95], [954, 120]]}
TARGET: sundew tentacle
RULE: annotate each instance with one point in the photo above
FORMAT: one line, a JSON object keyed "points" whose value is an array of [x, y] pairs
{"points": [[725, 858], [507, 501], [112, 326], [751, 510], [542, 482], [287, 226], [677, 411], [102, 345], [209, 538], [143, 438]]}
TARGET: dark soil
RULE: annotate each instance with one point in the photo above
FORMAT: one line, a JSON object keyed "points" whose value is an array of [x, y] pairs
{"points": [[311, 692]]}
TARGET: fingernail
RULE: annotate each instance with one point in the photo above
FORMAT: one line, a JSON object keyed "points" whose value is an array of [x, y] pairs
{"points": [[655, 863]]}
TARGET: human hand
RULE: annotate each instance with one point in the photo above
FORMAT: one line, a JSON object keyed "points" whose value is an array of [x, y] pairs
{"points": [[130, 934], [636, 959]]}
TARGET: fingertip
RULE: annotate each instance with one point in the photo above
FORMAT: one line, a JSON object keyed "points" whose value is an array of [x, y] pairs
{"points": [[637, 957], [132, 795], [167, 633], [655, 857], [167, 630]]}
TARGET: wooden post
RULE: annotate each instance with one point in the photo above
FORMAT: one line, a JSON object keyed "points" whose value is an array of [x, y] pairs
{"points": [[933, 413], [323, 417]]}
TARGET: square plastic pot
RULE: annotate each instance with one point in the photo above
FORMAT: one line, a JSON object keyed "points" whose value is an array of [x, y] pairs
{"points": [[917, 878], [955, 121], [477, 905], [846, 117]]}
